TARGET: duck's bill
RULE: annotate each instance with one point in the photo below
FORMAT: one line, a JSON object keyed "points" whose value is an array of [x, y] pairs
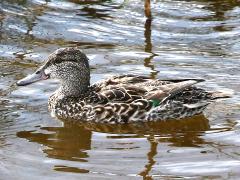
{"points": [[37, 76]]}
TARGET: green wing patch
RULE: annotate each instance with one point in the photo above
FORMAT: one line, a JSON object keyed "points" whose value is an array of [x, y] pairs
{"points": [[155, 102]]}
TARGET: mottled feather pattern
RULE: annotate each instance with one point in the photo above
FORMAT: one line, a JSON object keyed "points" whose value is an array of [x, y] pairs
{"points": [[118, 99], [123, 99]]}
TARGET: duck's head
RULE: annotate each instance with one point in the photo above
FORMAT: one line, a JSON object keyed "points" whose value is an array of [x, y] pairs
{"points": [[69, 65]]}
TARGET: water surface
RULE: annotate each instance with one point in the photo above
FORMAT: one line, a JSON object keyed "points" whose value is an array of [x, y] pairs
{"points": [[197, 39]]}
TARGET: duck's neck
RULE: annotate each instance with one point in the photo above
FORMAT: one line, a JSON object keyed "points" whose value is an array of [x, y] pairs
{"points": [[73, 89]]}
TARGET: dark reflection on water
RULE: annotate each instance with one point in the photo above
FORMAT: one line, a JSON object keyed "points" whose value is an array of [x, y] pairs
{"points": [[219, 14], [148, 48], [179, 39], [91, 12], [72, 141], [62, 142]]}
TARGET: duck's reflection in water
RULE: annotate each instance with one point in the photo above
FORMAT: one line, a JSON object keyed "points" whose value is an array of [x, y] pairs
{"points": [[194, 124], [73, 140], [67, 142]]}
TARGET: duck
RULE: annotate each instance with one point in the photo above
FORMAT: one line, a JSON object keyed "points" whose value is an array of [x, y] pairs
{"points": [[119, 99]]}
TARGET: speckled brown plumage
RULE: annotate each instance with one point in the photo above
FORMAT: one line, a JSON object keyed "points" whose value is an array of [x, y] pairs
{"points": [[118, 99], [125, 98]]}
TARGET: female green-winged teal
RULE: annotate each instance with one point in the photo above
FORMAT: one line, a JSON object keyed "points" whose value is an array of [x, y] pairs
{"points": [[119, 99]]}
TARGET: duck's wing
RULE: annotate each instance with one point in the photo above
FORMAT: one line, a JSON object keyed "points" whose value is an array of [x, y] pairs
{"points": [[116, 93], [133, 103], [129, 79], [183, 102], [121, 88], [127, 88], [121, 79], [167, 91]]}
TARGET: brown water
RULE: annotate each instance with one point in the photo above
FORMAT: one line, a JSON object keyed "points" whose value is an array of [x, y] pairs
{"points": [[193, 39]]}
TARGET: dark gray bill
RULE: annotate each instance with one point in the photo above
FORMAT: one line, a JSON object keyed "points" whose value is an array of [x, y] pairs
{"points": [[37, 76]]}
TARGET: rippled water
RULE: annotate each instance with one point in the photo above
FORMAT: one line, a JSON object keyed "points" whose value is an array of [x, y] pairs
{"points": [[198, 39]]}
